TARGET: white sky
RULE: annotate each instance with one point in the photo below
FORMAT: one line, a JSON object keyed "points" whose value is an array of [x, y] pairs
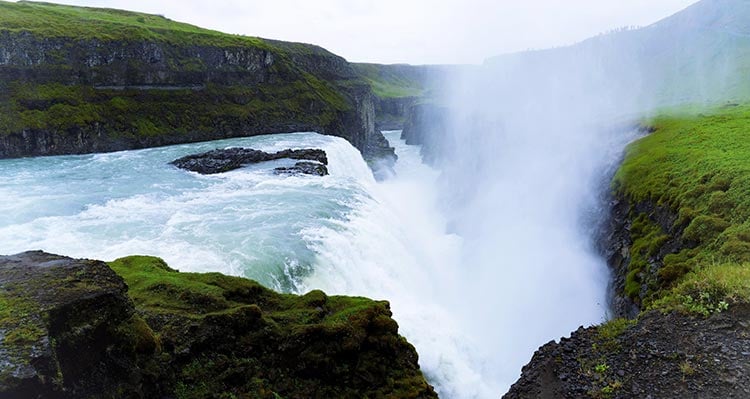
{"points": [[411, 31]]}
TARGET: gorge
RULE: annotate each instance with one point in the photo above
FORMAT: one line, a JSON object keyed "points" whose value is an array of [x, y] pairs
{"points": [[541, 191]]}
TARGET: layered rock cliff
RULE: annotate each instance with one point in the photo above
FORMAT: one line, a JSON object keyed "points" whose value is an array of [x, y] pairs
{"points": [[427, 124], [391, 112], [398, 87], [79, 80], [137, 329]]}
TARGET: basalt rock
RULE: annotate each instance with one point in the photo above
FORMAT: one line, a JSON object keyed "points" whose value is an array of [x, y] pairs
{"points": [[305, 168], [224, 160], [390, 113], [427, 124], [616, 245]]}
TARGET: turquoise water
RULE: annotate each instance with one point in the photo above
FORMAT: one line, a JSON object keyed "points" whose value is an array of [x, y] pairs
{"points": [[248, 222], [344, 233]]}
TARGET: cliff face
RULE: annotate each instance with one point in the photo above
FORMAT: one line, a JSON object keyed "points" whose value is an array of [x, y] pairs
{"points": [[632, 283], [391, 112], [426, 124], [399, 87], [147, 85], [136, 328]]}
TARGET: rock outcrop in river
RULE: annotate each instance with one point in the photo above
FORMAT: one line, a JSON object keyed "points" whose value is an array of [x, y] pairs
{"points": [[224, 160]]}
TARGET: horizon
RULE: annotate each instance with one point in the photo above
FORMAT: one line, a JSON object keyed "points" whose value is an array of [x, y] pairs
{"points": [[388, 32]]}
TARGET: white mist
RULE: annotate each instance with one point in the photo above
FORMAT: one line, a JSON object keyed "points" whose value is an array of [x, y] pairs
{"points": [[524, 163]]}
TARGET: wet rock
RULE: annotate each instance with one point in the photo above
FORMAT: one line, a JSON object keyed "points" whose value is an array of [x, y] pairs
{"points": [[224, 160], [305, 168], [60, 323]]}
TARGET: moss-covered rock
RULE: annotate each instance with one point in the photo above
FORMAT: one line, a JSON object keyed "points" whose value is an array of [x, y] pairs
{"points": [[61, 323], [681, 204], [72, 328]]}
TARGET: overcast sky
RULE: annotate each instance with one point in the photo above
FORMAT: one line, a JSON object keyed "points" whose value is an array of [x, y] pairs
{"points": [[412, 31]]}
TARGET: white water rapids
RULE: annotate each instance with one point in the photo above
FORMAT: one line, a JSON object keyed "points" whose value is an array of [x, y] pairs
{"points": [[344, 233]]}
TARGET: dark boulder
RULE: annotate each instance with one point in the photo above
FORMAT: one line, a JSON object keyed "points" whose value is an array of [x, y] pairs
{"points": [[224, 160], [305, 168]]}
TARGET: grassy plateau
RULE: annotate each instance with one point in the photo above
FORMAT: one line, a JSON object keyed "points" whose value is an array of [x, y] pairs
{"points": [[696, 164]]}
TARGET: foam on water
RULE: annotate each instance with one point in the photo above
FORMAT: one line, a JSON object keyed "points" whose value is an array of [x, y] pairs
{"points": [[344, 233], [246, 222], [394, 246]]}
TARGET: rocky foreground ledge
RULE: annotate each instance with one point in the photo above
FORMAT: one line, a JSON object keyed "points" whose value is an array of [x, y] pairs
{"points": [[659, 357], [135, 328]]}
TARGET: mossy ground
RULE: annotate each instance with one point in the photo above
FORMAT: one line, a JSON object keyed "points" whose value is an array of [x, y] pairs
{"points": [[695, 164], [143, 113], [245, 340], [18, 324], [393, 81], [54, 20]]}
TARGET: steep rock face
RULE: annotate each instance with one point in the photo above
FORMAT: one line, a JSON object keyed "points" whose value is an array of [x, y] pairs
{"points": [[659, 356], [391, 112], [73, 329], [627, 293], [96, 62], [426, 124], [69, 95], [635, 238]]}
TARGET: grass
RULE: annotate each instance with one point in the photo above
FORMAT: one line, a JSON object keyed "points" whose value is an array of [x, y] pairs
{"points": [[245, 339], [155, 287], [709, 289], [136, 113], [393, 81], [17, 319], [61, 21], [696, 165]]}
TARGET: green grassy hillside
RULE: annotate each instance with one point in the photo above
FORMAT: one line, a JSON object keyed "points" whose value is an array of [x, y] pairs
{"points": [[395, 81], [60, 21], [80, 79], [696, 165], [292, 346]]}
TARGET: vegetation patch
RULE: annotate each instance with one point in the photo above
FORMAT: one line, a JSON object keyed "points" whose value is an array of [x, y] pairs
{"points": [[695, 165], [19, 324], [393, 81], [246, 339], [710, 289], [61, 21], [138, 113]]}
